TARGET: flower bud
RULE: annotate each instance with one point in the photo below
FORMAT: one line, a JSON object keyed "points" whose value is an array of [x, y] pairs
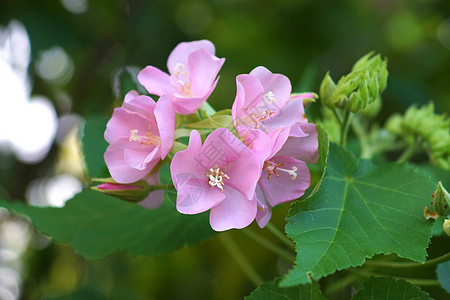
{"points": [[424, 125], [327, 88], [361, 87], [441, 201], [134, 192]]}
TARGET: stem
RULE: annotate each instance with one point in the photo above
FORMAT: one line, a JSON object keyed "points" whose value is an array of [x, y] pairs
{"points": [[269, 245], [344, 127], [361, 133], [414, 281], [240, 259], [337, 115], [409, 152], [280, 235], [397, 265]]}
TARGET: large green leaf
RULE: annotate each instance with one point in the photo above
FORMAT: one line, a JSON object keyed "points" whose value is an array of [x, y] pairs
{"points": [[97, 225], [443, 274], [388, 288], [271, 291], [360, 210]]}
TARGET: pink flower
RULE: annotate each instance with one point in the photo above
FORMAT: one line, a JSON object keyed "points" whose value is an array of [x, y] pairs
{"points": [[263, 102], [140, 133], [193, 70], [285, 175], [221, 176]]}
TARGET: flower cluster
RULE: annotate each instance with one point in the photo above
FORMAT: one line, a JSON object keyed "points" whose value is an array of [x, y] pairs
{"points": [[242, 169]]}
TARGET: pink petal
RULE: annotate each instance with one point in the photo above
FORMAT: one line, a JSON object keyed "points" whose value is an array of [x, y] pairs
{"points": [[130, 95], [304, 148], [287, 116], [186, 105], [240, 163], [120, 171], [195, 195], [264, 212], [165, 118], [186, 161], [283, 188], [235, 211], [259, 142], [249, 94], [277, 138], [278, 84], [110, 186], [203, 69], [181, 53], [138, 157], [156, 81], [122, 122], [143, 105]]}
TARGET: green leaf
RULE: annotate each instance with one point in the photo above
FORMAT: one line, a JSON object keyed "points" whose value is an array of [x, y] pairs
{"points": [[94, 145], [270, 290], [212, 122], [388, 288], [443, 275], [97, 225], [359, 211]]}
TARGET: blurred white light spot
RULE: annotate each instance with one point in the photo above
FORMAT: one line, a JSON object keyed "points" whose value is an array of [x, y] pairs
{"points": [[61, 188], [75, 6], [55, 65], [6, 294], [193, 17], [53, 191], [15, 50], [10, 279], [14, 235], [35, 129], [27, 128], [8, 255], [443, 33]]}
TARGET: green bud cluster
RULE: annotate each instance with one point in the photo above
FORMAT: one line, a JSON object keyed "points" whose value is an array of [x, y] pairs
{"points": [[432, 129], [358, 89]]}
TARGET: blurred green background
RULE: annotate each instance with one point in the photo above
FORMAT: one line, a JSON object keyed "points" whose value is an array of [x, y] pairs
{"points": [[302, 39]]}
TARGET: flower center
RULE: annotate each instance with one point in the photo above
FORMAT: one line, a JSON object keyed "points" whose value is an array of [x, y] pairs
{"points": [[147, 139], [272, 168], [216, 178], [181, 80], [261, 112]]}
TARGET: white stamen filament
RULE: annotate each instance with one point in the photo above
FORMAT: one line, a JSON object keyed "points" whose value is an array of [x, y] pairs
{"points": [[147, 139], [292, 172], [270, 97], [216, 178], [181, 80]]}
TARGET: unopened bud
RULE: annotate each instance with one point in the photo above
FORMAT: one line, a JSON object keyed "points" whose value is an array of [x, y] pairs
{"points": [[134, 192], [358, 89], [327, 88], [441, 201]]}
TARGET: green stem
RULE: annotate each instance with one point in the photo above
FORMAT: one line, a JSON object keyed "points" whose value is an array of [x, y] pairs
{"points": [[358, 129], [337, 115], [269, 245], [241, 260], [344, 127], [398, 265], [161, 187], [280, 235], [409, 152], [414, 281]]}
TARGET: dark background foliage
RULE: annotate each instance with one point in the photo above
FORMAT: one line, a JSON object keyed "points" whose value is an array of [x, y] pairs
{"points": [[301, 39]]}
